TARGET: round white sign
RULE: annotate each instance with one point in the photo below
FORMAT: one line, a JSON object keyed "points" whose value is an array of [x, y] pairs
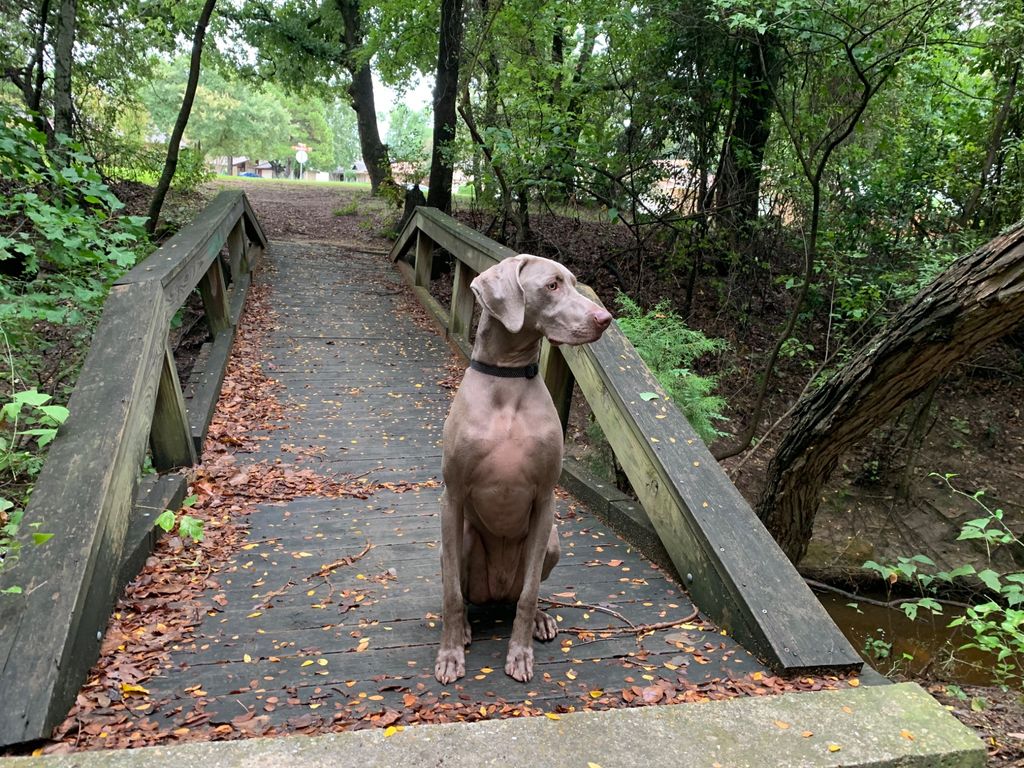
{"points": [[301, 156]]}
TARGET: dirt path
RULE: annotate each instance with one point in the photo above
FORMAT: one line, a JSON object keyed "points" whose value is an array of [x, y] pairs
{"points": [[343, 216]]}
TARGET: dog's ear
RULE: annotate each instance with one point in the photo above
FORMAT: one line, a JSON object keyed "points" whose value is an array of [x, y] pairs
{"points": [[501, 294]]}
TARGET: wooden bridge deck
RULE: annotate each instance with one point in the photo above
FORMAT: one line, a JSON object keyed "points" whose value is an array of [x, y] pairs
{"points": [[360, 389]]}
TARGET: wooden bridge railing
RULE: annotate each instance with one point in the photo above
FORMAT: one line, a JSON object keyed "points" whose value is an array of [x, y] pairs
{"points": [[730, 564], [91, 492]]}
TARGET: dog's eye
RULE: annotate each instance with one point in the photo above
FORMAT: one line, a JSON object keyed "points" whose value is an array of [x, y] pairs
{"points": [[553, 285]]}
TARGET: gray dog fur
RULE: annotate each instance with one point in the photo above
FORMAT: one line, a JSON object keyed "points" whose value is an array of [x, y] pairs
{"points": [[502, 457]]}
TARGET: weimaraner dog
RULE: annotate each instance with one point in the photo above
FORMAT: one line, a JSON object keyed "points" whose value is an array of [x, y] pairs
{"points": [[502, 458]]}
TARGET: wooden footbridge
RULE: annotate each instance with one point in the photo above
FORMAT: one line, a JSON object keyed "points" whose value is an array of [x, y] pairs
{"points": [[325, 613]]}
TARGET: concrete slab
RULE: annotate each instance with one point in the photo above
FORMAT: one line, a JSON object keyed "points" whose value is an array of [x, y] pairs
{"points": [[897, 725]]}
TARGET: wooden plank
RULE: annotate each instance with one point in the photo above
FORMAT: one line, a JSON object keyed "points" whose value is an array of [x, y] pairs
{"points": [[254, 229], [214, 293], [237, 250], [155, 494], [424, 260], [731, 565], [83, 495], [179, 264], [169, 437], [461, 317], [406, 238], [206, 388], [558, 379], [468, 245]]}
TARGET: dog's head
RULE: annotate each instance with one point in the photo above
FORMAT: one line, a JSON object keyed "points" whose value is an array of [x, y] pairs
{"points": [[532, 293]]}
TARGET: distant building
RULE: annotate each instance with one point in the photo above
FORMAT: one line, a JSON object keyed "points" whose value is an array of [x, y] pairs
{"points": [[238, 165]]}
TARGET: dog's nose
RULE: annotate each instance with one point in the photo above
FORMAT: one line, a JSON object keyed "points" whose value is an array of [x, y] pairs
{"points": [[602, 318]]}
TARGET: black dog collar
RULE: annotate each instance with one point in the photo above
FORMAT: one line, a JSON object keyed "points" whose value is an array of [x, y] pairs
{"points": [[524, 372]]}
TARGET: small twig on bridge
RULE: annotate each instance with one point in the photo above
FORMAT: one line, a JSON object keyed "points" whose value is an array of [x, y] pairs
{"points": [[328, 569], [633, 629], [367, 473], [588, 606], [264, 541]]}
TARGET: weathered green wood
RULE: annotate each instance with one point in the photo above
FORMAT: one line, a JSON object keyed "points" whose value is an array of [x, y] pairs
{"points": [[474, 248], [254, 230], [406, 238], [558, 379], [155, 494], [207, 377], [205, 388], [213, 291], [169, 437], [461, 317], [424, 260], [733, 568], [127, 393], [180, 263], [238, 247], [84, 496]]}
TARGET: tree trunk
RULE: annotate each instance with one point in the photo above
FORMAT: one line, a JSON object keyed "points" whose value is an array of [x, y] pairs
{"points": [[738, 181], [565, 168], [174, 145], [375, 151], [446, 92], [977, 300], [63, 58], [35, 98], [360, 91], [995, 143]]}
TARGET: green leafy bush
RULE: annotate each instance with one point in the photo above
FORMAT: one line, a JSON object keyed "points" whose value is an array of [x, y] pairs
{"points": [[189, 528], [994, 624], [28, 423], [670, 349], [145, 162], [59, 230]]}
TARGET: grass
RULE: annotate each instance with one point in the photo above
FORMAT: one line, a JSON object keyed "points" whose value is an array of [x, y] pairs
{"points": [[360, 185]]}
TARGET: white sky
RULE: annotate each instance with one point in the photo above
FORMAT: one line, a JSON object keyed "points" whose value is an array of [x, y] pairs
{"points": [[417, 97]]}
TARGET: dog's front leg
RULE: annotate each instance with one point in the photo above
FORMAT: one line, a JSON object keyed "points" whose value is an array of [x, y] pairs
{"points": [[451, 658], [519, 662]]}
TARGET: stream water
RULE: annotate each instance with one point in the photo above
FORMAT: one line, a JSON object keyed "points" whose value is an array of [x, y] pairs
{"points": [[932, 647]]}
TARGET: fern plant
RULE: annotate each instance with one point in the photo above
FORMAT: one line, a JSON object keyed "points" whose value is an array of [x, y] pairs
{"points": [[670, 348]]}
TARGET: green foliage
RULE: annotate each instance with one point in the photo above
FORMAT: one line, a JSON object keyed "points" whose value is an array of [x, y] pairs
{"points": [[234, 116], [145, 162], [408, 140], [189, 528], [671, 349], [28, 423], [59, 221], [995, 624], [351, 208]]}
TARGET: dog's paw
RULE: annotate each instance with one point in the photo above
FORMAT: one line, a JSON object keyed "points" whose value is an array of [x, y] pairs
{"points": [[450, 665], [544, 627], [519, 662]]}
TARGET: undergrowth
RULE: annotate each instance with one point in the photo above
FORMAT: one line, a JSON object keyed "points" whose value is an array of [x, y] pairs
{"points": [[63, 242], [671, 349]]}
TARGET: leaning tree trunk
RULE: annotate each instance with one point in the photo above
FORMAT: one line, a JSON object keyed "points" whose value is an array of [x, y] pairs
{"points": [[375, 151], [446, 92], [977, 300], [156, 203], [360, 91]]}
